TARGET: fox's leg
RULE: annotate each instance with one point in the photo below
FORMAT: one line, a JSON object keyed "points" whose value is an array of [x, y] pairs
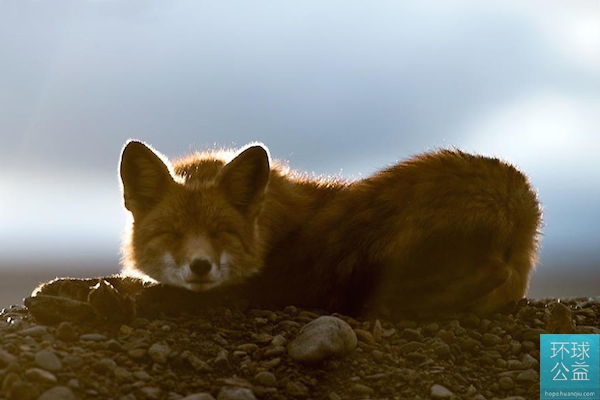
{"points": [[452, 272], [117, 298], [108, 297]]}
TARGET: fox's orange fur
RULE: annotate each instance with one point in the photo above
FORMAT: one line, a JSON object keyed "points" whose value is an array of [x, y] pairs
{"points": [[443, 231]]}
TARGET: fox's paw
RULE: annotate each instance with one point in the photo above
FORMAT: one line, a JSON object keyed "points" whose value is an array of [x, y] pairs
{"points": [[110, 298]]}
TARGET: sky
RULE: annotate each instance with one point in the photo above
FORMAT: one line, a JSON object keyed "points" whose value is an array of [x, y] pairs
{"points": [[332, 87]]}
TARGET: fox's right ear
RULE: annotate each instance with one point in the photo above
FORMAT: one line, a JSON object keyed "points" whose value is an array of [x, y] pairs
{"points": [[145, 175]]}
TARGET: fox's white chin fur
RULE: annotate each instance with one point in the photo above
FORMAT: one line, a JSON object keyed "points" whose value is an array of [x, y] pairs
{"points": [[182, 275]]}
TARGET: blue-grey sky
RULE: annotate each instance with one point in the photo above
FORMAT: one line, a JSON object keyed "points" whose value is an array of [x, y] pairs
{"points": [[333, 87]]}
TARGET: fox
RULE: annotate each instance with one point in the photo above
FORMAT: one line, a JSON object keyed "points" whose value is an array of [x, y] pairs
{"points": [[442, 231]]}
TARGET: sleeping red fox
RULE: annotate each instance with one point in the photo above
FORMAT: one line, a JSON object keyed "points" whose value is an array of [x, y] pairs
{"points": [[443, 231]]}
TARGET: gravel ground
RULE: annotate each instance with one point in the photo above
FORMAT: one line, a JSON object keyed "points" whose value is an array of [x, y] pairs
{"points": [[228, 353]]}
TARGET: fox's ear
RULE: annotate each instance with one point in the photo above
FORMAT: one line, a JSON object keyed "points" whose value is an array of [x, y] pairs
{"points": [[244, 179], [145, 177]]}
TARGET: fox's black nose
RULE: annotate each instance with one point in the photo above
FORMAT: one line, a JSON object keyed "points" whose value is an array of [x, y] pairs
{"points": [[200, 266]]}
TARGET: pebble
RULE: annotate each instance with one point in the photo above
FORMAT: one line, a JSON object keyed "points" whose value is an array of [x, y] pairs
{"points": [[410, 347], [136, 354], [58, 393], [122, 374], [296, 389], [222, 359], [528, 361], [235, 393], [142, 375], [9, 380], [248, 347], [506, 382], [489, 339], [6, 358], [93, 337], [105, 365], [48, 360], [150, 392], [198, 364], [359, 388], [560, 319], [159, 352], [66, 332], [199, 396], [412, 334], [322, 338], [265, 378], [25, 391], [364, 336], [529, 375], [34, 331], [440, 392], [40, 375]]}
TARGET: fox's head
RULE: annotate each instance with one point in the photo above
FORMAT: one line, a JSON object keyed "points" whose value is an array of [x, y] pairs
{"points": [[194, 221]]}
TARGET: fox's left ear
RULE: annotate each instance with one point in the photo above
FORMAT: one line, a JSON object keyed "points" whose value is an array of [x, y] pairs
{"points": [[244, 179], [145, 175]]}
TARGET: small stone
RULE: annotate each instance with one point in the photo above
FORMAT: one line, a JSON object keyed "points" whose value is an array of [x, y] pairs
{"points": [[151, 392], [222, 359], [529, 375], [440, 392], [274, 351], [9, 380], [114, 345], [265, 378], [528, 361], [359, 388], [296, 389], [66, 332], [533, 334], [58, 393], [441, 349], [412, 334], [322, 338], [489, 339], [247, 347], [560, 319], [142, 375], [279, 340], [26, 391], [272, 363], [136, 354], [199, 396], [431, 328], [364, 336], [235, 393], [377, 330], [34, 331], [159, 352], [198, 364], [93, 337], [410, 347], [6, 358], [506, 382], [73, 361], [40, 375], [105, 365], [122, 374], [47, 360]]}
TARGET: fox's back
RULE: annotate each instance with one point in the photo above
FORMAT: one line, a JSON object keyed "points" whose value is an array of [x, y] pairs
{"points": [[429, 232]]}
